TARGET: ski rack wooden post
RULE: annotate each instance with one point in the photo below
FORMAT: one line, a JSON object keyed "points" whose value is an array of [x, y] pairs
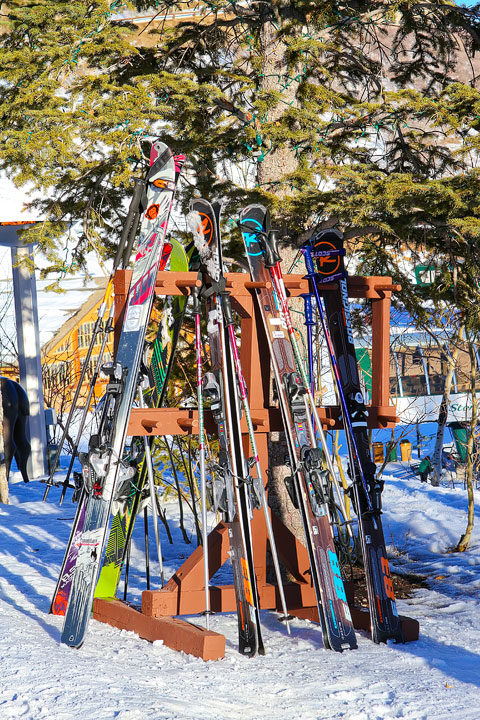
{"points": [[184, 593]]}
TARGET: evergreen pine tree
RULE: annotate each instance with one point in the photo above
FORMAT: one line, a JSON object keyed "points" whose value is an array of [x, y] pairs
{"points": [[362, 115], [358, 115]]}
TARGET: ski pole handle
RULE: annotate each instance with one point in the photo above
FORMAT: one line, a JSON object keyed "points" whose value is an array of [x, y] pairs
{"points": [[268, 241], [195, 293], [226, 308], [307, 299], [307, 254]]}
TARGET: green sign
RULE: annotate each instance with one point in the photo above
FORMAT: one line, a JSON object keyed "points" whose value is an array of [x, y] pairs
{"points": [[426, 274]]}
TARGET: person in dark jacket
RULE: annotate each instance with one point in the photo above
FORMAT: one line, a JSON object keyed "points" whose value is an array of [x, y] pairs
{"points": [[425, 468]]}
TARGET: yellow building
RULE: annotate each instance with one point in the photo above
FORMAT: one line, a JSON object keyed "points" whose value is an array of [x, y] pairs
{"points": [[10, 371], [64, 356]]}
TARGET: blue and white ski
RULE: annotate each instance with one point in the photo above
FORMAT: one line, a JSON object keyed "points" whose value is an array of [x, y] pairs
{"points": [[105, 466]]}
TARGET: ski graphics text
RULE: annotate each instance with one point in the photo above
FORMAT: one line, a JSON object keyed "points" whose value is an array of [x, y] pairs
{"points": [[327, 263], [346, 314]]}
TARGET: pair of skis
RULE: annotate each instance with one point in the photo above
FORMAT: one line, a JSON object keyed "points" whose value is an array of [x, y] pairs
{"points": [[103, 326], [233, 490], [312, 486], [327, 251], [104, 467]]}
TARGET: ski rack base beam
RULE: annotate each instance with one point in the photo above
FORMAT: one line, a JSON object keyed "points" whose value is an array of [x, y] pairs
{"points": [[184, 593], [361, 620], [175, 633]]}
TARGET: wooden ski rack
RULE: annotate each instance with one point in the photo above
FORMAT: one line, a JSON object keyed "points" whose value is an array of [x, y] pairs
{"points": [[184, 593]]}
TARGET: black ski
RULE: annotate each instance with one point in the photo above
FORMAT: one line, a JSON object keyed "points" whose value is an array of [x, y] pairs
{"points": [[327, 248], [311, 485], [231, 483]]}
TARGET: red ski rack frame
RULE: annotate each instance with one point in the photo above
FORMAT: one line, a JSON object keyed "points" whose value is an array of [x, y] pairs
{"points": [[184, 593]]}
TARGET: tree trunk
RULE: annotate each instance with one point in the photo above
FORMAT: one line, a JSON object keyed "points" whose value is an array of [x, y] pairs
{"points": [[270, 170], [443, 412], [3, 467], [464, 541]]}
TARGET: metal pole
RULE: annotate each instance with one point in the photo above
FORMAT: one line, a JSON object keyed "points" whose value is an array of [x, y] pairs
{"points": [[201, 449], [147, 551], [26, 315], [127, 568], [153, 492]]}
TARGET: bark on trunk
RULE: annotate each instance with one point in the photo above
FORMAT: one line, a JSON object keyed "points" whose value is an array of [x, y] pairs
{"points": [[443, 412], [464, 541], [277, 162]]}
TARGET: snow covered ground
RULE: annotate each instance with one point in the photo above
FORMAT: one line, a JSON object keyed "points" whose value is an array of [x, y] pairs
{"points": [[117, 675]]}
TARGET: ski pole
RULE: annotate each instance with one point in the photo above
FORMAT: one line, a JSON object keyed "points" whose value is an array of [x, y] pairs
{"points": [[108, 329], [272, 263], [131, 221], [228, 319], [201, 449], [127, 568], [83, 372], [137, 193], [153, 492], [309, 323], [147, 550]]}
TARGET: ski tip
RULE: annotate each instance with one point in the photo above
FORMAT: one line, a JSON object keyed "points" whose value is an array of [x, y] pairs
{"points": [[250, 208]]}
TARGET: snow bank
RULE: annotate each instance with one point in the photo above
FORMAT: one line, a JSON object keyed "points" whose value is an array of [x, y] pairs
{"points": [[117, 675]]}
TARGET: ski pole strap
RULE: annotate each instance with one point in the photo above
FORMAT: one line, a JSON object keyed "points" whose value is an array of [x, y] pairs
{"points": [[216, 287], [267, 241]]}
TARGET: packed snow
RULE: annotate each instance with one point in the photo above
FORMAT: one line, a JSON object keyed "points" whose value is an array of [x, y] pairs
{"points": [[117, 675]]}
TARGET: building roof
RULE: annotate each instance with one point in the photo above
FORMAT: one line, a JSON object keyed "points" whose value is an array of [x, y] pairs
{"points": [[64, 330]]}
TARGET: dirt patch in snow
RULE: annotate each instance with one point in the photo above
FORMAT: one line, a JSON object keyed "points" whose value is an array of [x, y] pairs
{"points": [[403, 584]]}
